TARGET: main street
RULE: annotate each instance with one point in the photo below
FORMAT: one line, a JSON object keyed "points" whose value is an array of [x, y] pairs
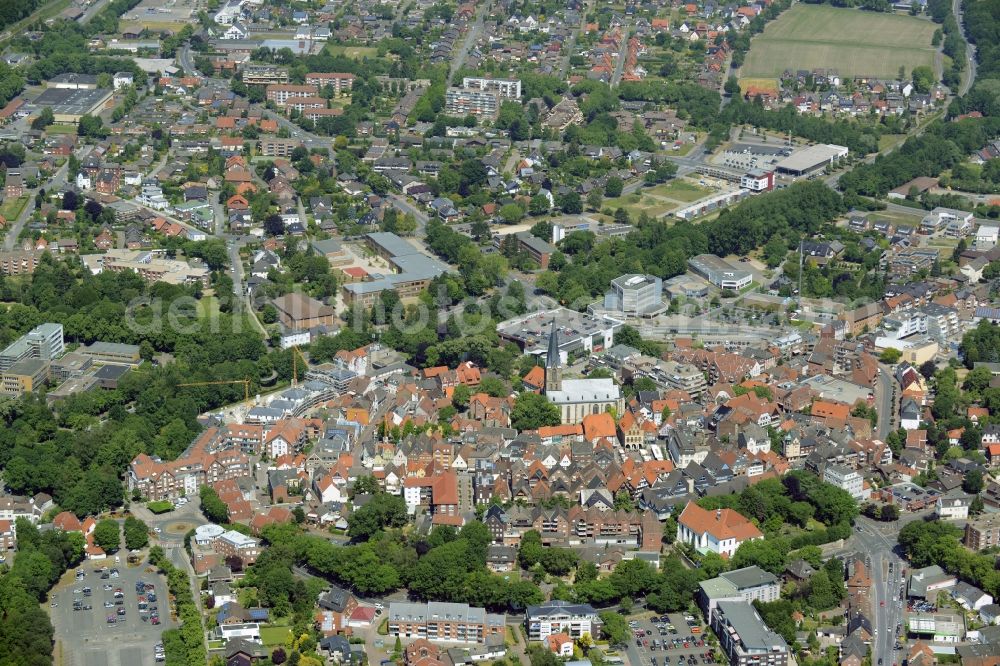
{"points": [[885, 401], [885, 568], [469, 42]]}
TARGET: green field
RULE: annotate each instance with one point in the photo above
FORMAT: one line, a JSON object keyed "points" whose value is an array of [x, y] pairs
{"points": [[11, 208], [356, 52], [850, 42]]}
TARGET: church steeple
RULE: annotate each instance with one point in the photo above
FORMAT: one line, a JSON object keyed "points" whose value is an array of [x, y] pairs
{"points": [[553, 363]]}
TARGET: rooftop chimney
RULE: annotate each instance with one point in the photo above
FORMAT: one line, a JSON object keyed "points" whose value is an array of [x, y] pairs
{"points": [[718, 514]]}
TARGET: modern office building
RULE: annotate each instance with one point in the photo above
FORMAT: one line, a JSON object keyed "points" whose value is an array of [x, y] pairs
{"points": [[45, 342], [635, 294], [744, 638]]}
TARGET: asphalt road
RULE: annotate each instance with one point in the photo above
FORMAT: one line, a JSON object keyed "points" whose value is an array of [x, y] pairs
{"points": [[886, 611], [970, 50], [885, 402], [470, 40]]}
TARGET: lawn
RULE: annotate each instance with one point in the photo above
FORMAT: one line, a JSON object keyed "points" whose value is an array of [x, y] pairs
{"points": [[11, 208], [850, 42], [681, 190], [60, 129], [356, 52], [274, 635], [159, 507]]}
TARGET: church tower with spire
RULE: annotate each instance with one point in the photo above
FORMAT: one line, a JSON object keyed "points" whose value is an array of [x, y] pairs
{"points": [[553, 363]]}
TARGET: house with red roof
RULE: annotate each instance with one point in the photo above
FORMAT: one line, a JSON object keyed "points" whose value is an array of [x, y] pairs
{"points": [[721, 531]]}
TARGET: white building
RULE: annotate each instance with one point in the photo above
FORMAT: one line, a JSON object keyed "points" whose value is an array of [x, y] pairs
{"points": [[952, 508], [229, 12], [204, 535], [561, 617], [845, 479], [904, 324], [505, 88], [122, 79], [987, 237], [722, 531]]}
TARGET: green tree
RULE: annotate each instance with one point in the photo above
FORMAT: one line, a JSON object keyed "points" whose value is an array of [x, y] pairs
{"points": [[107, 535], [890, 356], [511, 213], [613, 187], [460, 396], [532, 411], [136, 533], [380, 512], [614, 627], [213, 508], [43, 119], [973, 482]]}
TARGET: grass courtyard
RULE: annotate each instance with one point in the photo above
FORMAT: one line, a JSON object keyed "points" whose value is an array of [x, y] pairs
{"points": [[851, 42], [11, 208]]}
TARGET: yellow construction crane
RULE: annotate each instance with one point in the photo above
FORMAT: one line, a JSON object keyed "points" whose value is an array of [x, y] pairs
{"points": [[296, 354], [245, 382]]}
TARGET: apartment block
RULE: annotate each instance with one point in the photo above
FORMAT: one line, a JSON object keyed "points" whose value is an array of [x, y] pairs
{"points": [[460, 102], [558, 616], [340, 82], [202, 464], [505, 88], [982, 532], [274, 147], [20, 262], [233, 543], [438, 621], [280, 93]]}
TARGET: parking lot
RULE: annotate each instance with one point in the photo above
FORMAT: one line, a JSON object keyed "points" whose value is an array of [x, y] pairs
{"points": [[653, 643], [85, 638]]}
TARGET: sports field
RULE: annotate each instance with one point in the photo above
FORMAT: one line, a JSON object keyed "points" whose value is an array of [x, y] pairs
{"points": [[851, 42]]}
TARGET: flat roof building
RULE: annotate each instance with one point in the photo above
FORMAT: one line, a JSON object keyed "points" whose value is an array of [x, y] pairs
{"points": [[811, 160], [578, 333], [112, 352], [635, 294], [24, 376], [45, 341], [70, 104], [719, 272], [744, 638]]}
